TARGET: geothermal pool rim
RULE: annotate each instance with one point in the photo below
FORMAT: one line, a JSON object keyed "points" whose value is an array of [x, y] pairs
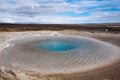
{"points": [[76, 37]]}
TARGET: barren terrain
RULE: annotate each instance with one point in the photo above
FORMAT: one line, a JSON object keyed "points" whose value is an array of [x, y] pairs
{"points": [[111, 36]]}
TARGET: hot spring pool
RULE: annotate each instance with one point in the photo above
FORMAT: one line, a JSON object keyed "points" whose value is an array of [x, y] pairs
{"points": [[56, 45], [59, 54]]}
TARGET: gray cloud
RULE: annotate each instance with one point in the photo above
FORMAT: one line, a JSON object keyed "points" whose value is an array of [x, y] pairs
{"points": [[46, 10]]}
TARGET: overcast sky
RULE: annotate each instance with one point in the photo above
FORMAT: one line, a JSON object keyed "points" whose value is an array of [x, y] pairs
{"points": [[59, 11]]}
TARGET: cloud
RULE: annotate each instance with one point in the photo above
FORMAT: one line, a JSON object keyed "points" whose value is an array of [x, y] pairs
{"points": [[60, 11], [6, 20]]}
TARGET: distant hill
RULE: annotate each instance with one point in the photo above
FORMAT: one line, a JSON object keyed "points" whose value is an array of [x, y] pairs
{"points": [[79, 27]]}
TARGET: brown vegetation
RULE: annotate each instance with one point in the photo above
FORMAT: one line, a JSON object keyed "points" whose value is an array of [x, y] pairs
{"points": [[57, 27]]}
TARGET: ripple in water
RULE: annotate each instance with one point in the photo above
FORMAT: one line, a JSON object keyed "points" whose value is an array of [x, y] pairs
{"points": [[59, 54]]}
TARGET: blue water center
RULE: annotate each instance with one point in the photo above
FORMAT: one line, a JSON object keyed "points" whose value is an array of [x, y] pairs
{"points": [[56, 45]]}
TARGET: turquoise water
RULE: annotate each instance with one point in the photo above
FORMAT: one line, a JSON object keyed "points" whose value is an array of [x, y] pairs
{"points": [[56, 45]]}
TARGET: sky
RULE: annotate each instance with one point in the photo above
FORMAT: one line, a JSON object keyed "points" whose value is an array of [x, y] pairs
{"points": [[59, 11]]}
